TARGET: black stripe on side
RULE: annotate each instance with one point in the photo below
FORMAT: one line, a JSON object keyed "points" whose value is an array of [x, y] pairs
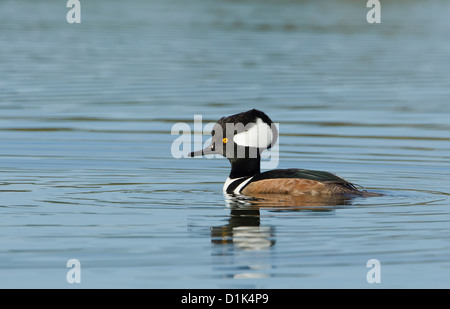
{"points": [[232, 186]]}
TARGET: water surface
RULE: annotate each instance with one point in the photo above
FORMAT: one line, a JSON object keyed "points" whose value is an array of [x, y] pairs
{"points": [[86, 170]]}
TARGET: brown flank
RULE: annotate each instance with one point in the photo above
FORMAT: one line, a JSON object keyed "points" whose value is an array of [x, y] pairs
{"points": [[297, 186]]}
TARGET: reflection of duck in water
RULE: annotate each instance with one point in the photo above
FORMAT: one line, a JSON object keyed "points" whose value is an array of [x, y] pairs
{"points": [[290, 202], [242, 137], [243, 233], [244, 229]]}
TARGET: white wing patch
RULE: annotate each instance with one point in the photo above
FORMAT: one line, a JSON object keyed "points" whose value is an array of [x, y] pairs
{"points": [[259, 135]]}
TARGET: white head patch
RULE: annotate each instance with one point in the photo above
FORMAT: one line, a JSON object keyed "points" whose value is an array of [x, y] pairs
{"points": [[258, 134]]}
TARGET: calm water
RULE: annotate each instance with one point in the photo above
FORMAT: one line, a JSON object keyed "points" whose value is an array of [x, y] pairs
{"points": [[86, 112]]}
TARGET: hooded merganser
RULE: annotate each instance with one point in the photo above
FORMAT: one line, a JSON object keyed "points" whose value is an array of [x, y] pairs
{"points": [[242, 137]]}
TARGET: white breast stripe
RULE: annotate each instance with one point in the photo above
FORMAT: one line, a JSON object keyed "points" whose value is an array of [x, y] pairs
{"points": [[228, 182], [239, 188]]}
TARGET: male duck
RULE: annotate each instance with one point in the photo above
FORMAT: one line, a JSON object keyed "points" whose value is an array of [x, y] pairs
{"points": [[242, 137]]}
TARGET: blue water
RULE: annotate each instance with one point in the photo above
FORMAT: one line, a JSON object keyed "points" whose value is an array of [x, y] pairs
{"points": [[87, 173]]}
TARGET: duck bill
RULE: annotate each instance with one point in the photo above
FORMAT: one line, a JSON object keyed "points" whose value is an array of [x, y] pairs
{"points": [[204, 151]]}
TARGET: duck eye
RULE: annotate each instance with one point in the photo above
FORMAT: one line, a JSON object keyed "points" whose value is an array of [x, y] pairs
{"points": [[225, 140]]}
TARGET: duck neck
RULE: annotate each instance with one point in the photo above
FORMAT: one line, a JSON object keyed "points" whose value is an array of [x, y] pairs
{"points": [[245, 167]]}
